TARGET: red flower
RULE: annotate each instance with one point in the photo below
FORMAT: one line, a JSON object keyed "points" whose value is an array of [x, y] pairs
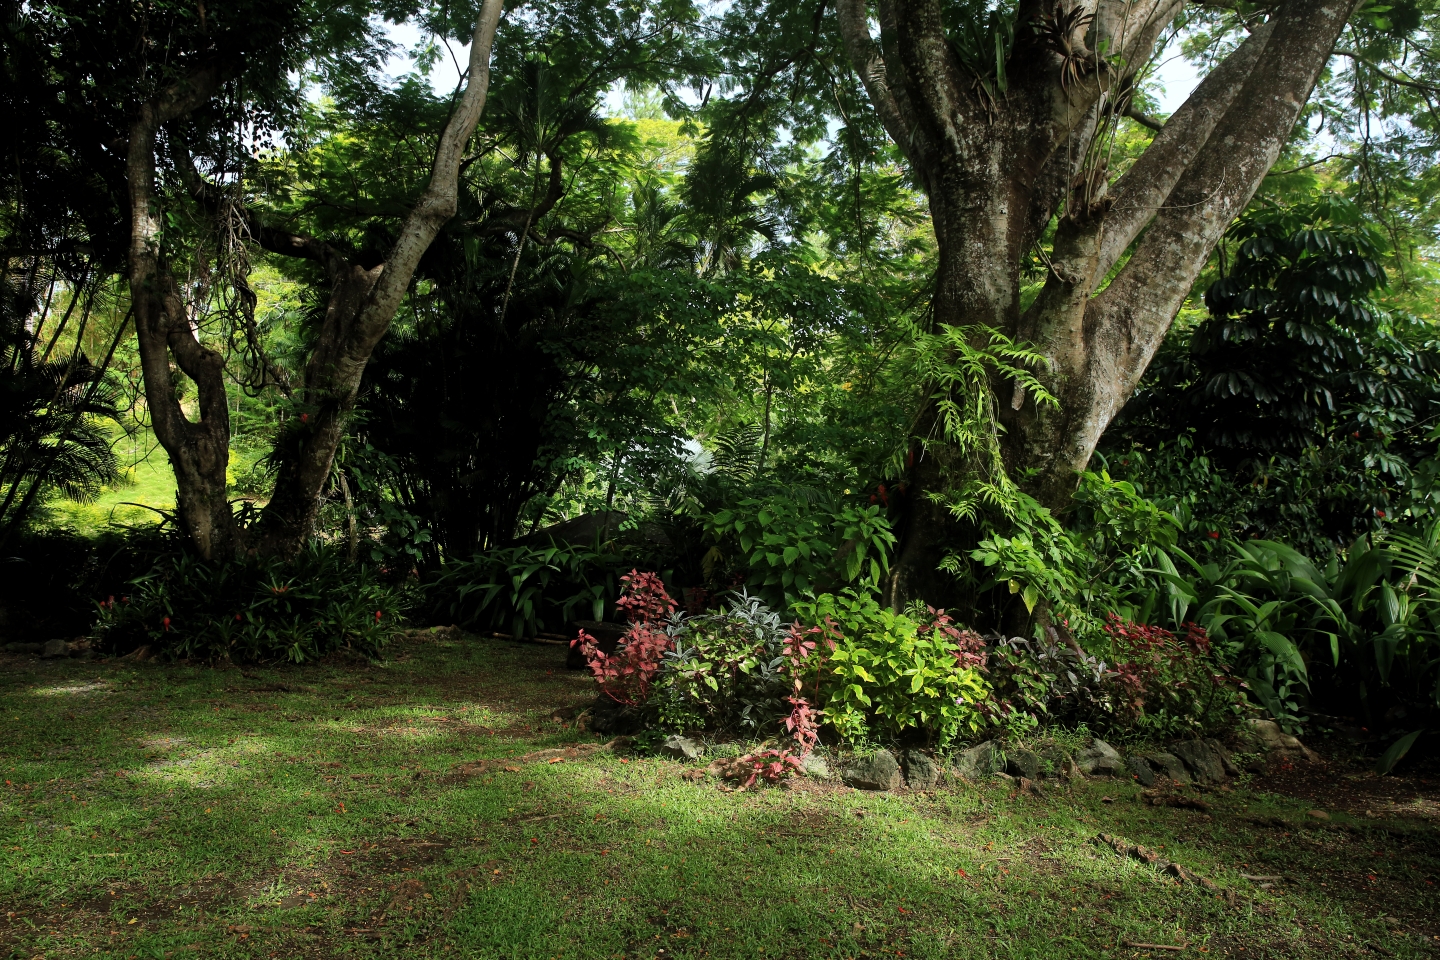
{"points": [[304, 418], [1380, 513], [1356, 434], [237, 617], [166, 624], [1213, 534], [377, 616]]}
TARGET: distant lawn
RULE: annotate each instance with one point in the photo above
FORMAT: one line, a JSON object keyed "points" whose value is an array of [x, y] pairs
{"points": [[154, 810], [149, 487]]}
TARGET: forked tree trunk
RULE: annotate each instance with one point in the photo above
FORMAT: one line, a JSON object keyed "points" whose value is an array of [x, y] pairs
{"points": [[997, 170], [199, 450], [362, 303]]}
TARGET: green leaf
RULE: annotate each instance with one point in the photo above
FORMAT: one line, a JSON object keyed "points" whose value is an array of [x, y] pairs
{"points": [[1396, 752]]}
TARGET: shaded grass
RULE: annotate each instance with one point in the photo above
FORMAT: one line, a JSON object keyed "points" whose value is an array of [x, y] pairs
{"points": [[158, 810]]}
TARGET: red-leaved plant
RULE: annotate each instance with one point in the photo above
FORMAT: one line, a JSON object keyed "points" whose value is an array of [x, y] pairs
{"points": [[625, 676], [1154, 664], [969, 645], [772, 766]]}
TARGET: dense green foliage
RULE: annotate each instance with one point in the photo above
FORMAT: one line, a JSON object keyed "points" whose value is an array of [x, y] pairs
{"points": [[258, 610], [523, 590], [54, 415], [891, 674], [688, 286]]}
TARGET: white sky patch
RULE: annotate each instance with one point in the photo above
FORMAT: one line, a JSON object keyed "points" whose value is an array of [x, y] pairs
{"points": [[444, 75], [1174, 80]]}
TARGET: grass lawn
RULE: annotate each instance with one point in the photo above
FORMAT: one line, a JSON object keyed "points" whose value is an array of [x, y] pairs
{"points": [[150, 483], [148, 487], [164, 810]]}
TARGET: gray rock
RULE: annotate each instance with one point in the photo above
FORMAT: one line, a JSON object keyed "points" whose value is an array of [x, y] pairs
{"points": [[1055, 762], [1274, 740], [680, 748], [1098, 751], [55, 648], [1143, 771], [1168, 765], [1202, 760], [1020, 762], [879, 771], [921, 772], [815, 767], [980, 761], [1227, 761], [1106, 767]]}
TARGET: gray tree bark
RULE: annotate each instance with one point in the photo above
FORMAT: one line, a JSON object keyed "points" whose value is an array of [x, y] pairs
{"points": [[199, 451], [361, 306], [996, 171]]}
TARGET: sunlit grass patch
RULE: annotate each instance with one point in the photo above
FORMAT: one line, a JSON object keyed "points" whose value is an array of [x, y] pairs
{"points": [[326, 810], [72, 689]]}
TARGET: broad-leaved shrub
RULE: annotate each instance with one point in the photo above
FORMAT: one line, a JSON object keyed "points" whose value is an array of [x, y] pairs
{"points": [[785, 550], [894, 675], [524, 589], [726, 671], [252, 609]]}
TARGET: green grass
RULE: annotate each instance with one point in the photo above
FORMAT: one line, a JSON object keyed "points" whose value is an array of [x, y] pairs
{"points": [[149, 483], [154, 810], [148, 487]]}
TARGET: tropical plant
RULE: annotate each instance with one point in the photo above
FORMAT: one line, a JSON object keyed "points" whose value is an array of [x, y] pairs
{"points": [[726, 672], [1298, 408], [525, 590], [894, 674], [253, 609], [1037, 682], [786, 550], [55, 418], [957, 366], [1166, 683], [1070, 578], [627, 675], [1278, 617]]}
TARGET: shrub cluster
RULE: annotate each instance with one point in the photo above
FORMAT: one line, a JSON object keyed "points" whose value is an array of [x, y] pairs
{"points": [[526, 589], [869, 674], [1155, 681], [252, 609]]}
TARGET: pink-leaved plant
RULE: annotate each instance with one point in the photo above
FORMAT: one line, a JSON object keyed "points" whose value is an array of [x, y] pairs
{"points": [[626, 675]]}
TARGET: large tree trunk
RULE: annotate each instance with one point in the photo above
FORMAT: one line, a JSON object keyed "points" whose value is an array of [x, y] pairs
{"points": [[362, 303], [199, 450], [996, 170]]}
